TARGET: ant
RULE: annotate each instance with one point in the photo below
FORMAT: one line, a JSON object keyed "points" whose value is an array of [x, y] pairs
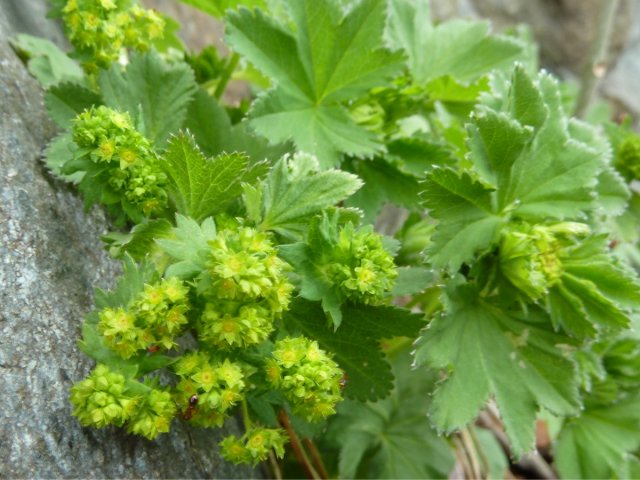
{"points": [[192, 408]]}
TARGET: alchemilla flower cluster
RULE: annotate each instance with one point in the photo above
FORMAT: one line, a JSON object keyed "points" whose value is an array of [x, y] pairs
{"points": [[101, 29], [231, 306], [124, 158]]}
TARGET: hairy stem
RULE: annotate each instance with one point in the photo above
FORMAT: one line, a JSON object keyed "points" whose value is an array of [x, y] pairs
{"points": [[296, 446], [317, 458]]}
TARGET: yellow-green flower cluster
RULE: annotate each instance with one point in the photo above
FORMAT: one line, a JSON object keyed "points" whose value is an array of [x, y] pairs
{"points": [[360, 267], [153, 414], [307, 376], [154, 319], [254, 446], [100, 29], [110, 137], [530, 257], [248, 291], [101, 399], [207, 389]]}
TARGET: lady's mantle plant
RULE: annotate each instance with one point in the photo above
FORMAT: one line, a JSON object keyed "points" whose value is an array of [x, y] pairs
{"points": [[253, 279]]}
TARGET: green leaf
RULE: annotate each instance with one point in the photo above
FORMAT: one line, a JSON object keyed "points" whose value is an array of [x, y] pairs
{"points": [[416, 156], [140, 241], [460, 48], [189, 245], [208, 122], [392, 438], [357, 353], [47, 62], [211, 126], [329, 58], [383, 183], [295, 190], [593, 290], [467, 223], [383, 321], [412, 280], [61, 150], [66, 100], [134, 276], [217, 8], [528, 154], [596, 443], [485, 351], [200, 187], [528, 165], [155, 94], [613, 192]]}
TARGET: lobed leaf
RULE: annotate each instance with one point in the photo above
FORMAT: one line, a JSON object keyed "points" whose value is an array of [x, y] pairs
{"points": [[486, 351], [294, 191], [200, 187], [155, 94], [357, 353], [467, 222], [329, 58]]}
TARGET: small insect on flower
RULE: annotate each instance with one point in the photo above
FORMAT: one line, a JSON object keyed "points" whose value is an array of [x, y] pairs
{"points": [[192, 409], [344, 381]]}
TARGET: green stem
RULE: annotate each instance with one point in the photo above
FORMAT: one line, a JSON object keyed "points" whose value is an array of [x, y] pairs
{"points": [[226, 75], [245, 415]]}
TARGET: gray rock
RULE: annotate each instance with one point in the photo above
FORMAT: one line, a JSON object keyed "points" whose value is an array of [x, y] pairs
{"points": [[563, 28], [621, 83], [50, 261]]}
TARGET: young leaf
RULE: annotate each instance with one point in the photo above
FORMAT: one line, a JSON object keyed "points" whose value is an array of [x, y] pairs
{"points": [[295, 190], [487, 352], [527, 155], [202, 187], [329, 58], [540, 171], [155, 94], [459, 48], [189, 245]]}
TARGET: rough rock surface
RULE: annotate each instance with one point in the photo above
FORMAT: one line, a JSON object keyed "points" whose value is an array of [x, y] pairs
{"points": [[50, 261]]}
